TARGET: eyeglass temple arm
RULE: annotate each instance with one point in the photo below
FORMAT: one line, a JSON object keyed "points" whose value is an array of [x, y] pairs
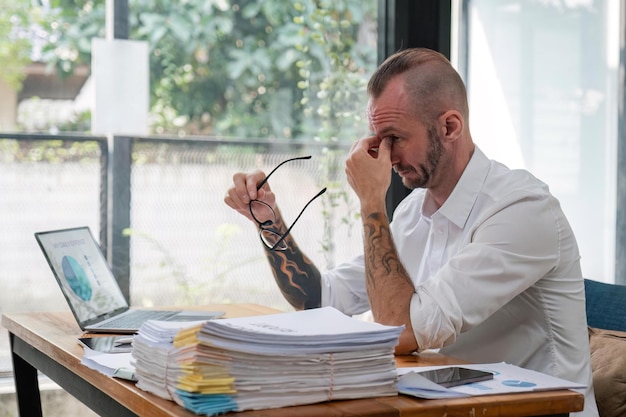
{"points": [[262, 183], [284, 235]]}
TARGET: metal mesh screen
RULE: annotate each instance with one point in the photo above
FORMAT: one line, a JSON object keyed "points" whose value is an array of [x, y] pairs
{"points": [[188, 247], [44, 185]]}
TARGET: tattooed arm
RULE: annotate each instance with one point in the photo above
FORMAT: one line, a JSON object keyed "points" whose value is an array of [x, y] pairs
{"points": [[298, 279], [389, 286]]}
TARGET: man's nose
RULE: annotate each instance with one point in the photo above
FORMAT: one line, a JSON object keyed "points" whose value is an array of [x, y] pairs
{"points": [[394, 156]]}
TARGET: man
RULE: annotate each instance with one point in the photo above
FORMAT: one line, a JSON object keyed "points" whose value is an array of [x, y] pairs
{"points": [[479, 261]]}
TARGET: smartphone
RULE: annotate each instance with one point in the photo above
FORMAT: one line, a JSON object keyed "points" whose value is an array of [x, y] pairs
{"points": [[108, 344], [454, 376]]}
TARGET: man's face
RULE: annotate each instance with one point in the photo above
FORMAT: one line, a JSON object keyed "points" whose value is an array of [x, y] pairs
{"points": [[417, 149]]}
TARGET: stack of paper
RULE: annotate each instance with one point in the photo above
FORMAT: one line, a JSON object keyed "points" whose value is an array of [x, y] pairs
{"points": [[266, 361]]}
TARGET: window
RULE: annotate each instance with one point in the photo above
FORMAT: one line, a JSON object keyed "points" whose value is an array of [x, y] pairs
{"points": [[234, 85], [542, 81]]}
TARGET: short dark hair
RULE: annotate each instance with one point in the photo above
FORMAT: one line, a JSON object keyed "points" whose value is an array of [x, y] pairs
{"points": [[433, 84]]}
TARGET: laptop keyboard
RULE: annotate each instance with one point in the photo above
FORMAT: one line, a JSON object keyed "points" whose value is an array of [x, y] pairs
{"points": [[136, 318]]}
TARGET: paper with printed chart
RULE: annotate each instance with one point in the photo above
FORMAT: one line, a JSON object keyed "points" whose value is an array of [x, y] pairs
{"points": [[507, 379]]}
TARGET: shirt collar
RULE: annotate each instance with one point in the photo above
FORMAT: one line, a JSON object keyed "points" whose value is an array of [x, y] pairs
{"points": [[458, 206]]}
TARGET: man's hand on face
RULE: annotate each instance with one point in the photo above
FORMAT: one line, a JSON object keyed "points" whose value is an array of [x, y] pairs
{"points": [[368, 168]]}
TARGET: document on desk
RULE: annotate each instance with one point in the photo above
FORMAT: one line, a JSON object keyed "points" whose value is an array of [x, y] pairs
{"points": [[268, 361], [115, 359], [310, 331], [118, 365], [507, 379]]}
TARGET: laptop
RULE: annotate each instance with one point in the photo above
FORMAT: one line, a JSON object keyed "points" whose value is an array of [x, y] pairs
{"points": [[91, 290]]}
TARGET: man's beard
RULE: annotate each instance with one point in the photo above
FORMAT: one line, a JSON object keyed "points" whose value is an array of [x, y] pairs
{"points": [[427, 169]]}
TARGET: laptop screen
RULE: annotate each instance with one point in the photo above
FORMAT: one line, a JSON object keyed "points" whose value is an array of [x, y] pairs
{"points": [[82, 272]]}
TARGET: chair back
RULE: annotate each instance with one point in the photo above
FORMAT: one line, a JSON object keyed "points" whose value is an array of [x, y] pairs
{"points": [[606, 305]]}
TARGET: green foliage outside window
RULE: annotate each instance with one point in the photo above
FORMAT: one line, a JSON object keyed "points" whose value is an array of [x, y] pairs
{"points": [[244, 68], [14, 48]]}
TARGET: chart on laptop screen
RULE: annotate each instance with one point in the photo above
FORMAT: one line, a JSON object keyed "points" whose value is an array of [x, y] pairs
{"points": [[82, 272]]}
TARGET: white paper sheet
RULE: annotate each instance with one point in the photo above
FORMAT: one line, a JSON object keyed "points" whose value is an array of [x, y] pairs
{"points": [[507, 379], [117, 365]]}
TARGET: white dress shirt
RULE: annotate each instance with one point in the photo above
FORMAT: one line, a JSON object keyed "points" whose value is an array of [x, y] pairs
{"points": [[496, 271]]}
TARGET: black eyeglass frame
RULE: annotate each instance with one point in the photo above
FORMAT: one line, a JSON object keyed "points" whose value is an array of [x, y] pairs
{"points": [[266, 226]]}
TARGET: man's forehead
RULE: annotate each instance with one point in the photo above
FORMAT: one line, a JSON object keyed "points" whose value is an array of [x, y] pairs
{"points": [[368, 110], [386, 107]]}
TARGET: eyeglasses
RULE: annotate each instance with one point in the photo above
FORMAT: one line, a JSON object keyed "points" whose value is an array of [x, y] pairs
{"points": [[265, 216]]}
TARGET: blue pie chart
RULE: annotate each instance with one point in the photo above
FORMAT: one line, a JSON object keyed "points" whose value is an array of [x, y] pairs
{"points": [[76, 278], [517, 383]]}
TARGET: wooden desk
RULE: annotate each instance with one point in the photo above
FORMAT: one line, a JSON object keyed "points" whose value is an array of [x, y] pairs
{"points": [[48, 343]]}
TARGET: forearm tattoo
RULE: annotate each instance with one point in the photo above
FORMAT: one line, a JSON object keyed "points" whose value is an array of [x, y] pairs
{"points": [[380, 253], [297, 277]]}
